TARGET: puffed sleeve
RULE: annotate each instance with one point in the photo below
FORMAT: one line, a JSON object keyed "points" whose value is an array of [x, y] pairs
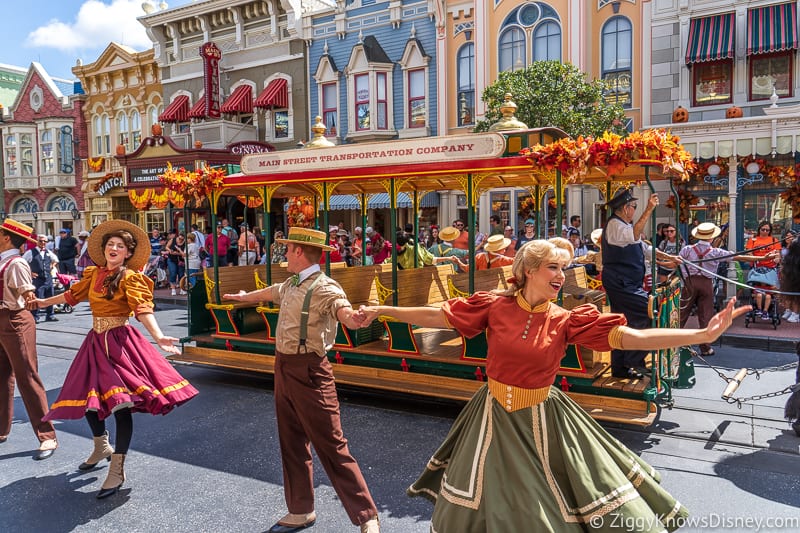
{"points": [[589, 327], [469, 316], [138, 290], [80, 289]]}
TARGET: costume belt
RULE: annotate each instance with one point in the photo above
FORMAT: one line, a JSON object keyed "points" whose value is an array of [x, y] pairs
{"points": [[104, 323], [515, 398]]}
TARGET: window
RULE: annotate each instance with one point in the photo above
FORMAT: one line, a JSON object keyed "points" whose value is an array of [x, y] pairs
{"points": [[26, 153], [547, 42], [136, 130], [712, 82], [617, 42], [466, 84], [512, 49], [768, 71], [382, 104], [417, 114], [281, 124], [11, 156], [329, 108], [102, 135], [362, 101], [123, 131], [47, 148]]}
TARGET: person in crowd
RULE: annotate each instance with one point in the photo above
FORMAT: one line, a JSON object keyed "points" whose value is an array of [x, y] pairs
{"points": [[574, 237], [623, 275], [433, 237], [495, 227], [789, 314], [447, 236], [380, 248], [493, 255], [116, 370], [480, 239], [306, 405], [193, 262], [233, 240], [583, 471], [528, 235], [763, 273], [199, 237], [670, 244], [83, 260], [660, 233], [593, 260], [333, 242], [41, 262], [261, 249], [405, 253], [155, 241], [357, 247], [18, 360], [176, 262], [462, 241], [698, 287], [67, 251], [790, 286], [223, 245], [278, 249], [508, 233], [574, 224], [248, 246]]}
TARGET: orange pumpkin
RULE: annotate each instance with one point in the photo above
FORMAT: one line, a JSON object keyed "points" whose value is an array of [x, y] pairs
{"points": [[681, 114], [308, 211], [734, 112], [198, 144], [120, 149]]}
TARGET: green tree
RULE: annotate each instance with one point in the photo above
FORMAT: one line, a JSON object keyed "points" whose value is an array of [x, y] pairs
{"points": [[551, 93]]}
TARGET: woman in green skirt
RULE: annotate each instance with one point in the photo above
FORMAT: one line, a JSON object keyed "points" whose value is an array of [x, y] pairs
{"points": [[522, 456]]}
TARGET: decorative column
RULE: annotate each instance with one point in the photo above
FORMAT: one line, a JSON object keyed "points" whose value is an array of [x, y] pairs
{"points": [[733, 229]]}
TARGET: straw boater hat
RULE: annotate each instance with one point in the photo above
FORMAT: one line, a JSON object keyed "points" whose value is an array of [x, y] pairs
{"points": [[706, 231], [140, 256], [307, 237], [496, 243], [595, 236], [449, 233], [18, 228]]}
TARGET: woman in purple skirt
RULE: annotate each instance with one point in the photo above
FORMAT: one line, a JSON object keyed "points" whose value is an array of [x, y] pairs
{"points": [[116, 369]]}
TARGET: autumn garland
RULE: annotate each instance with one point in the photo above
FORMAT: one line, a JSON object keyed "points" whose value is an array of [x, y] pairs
{"points": [[300, 212], [574, 157], [687, 199], [197, 184], [95, 164]]}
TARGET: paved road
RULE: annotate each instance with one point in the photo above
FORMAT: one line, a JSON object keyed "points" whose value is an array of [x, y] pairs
{"points": [[213, 465]]}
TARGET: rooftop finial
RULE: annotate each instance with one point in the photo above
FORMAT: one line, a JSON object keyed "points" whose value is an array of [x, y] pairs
{"points": [[319, 140], [508, 122]]}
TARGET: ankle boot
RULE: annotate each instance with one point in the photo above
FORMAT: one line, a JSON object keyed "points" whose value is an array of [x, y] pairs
{"points": [[115, 477], [102, 450]]}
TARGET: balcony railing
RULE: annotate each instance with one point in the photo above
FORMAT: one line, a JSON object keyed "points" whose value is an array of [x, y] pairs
{"points": [[58, 182], [23, 185]]}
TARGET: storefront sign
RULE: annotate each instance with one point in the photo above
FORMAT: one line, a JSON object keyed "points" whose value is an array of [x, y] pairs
{"points": [[250, 147], [412, 151], [145, 176], [211, 56], [116, 181]]}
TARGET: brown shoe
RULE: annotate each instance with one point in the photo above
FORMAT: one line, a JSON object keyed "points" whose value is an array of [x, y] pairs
{"points": [[3, 438], [294, 522], [46, 449]]}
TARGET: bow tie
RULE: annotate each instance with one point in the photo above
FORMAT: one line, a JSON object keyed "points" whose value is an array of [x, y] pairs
{"points": [[295, 280]]}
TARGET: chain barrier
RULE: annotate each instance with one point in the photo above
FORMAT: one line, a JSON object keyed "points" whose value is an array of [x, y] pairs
{"points": [[757, 372]]}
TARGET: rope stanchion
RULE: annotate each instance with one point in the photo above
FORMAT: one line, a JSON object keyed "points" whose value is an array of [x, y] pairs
{"points": [[733, 384], [738, 283]]}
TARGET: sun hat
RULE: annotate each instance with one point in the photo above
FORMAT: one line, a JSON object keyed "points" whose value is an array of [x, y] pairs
{"points": [[530, 221], [496, 243], [84, 234], [595, 236], [18, 228], [141, 254], [64, 230], [307, 237], [706, 231], [449, 233], [622, 197], [342, 233]]}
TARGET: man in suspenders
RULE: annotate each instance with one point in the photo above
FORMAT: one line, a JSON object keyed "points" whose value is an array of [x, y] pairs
{"points": [[306, 404], [18, 340]]}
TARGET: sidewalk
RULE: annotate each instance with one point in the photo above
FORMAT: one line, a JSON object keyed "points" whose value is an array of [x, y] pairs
{"points": [[760, 335]]}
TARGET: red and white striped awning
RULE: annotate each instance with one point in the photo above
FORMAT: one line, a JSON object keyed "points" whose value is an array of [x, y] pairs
{"points": [[176, 111], [240, 100], [198, 110], [275, 95]]}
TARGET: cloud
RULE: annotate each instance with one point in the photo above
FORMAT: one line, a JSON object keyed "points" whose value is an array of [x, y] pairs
{"points": [[95, 26]]}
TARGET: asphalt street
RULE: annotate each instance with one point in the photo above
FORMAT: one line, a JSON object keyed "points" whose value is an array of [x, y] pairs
{"points": [[213, 465]]}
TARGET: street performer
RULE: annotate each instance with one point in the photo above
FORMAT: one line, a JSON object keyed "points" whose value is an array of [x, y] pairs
{"points": [[306, 405]]}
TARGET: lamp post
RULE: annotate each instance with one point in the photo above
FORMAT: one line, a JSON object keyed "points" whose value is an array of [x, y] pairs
{"points": [[75, 213]]}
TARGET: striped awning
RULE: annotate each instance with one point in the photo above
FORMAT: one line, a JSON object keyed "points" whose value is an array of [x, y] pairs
{"points": [[772, 29], [710, 39], [275, 95], [198, 110], [176, 111], [381, 201], [240, 100]]}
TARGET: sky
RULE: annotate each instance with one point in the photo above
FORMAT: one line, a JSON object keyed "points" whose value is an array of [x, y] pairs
{"points": [[56, 33]]}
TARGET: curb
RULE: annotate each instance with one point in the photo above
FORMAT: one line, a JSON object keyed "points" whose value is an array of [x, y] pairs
{"points": [[766, 343]]}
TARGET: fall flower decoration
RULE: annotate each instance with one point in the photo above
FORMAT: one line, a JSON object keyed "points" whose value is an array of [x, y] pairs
{"points": [[197, 184], [300, 211], [686, 200], [95, 163], [251, 201], [140, 200], [792, 198], [575, 157], [526, 207]]}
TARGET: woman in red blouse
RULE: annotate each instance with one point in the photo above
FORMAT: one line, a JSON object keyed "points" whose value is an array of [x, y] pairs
{"points": [[522, 456]]}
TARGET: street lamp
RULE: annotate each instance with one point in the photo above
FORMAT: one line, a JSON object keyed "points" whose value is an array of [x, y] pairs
{"points": [[75, 213], [713, 176]]}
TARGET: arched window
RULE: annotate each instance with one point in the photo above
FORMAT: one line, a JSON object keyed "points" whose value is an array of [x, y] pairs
{"points": [[512, 49], [123, 130], [97, 129], [465, 99], [136, 130], [617, 50], [547, 42]]}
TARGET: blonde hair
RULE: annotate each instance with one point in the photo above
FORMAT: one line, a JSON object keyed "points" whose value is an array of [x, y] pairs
{"points": [[533, 254]]}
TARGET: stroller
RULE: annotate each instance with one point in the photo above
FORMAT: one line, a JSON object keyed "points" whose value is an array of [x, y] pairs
{"points": [[156, 270], [61, 283], [762, 278]]}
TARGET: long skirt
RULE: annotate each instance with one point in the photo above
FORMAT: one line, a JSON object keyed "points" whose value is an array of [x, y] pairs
{"points": [[547, 468], [116, 369]]}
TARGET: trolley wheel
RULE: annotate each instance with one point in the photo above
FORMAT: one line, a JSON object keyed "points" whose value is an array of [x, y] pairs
{"points": [[67, 308]]}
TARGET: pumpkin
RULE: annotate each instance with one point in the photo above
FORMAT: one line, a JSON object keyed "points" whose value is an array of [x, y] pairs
{"points": [[120, 149], [308, 211], [198, 144], [734, 112], [681, 114], [155, 129]]}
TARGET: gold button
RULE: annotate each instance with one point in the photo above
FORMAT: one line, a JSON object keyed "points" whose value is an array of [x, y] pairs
{"points": [[509, 388], [509, 395], [508, 407]]}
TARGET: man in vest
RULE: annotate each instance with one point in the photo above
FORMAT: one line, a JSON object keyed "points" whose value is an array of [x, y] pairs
{"points": [[306, 405], [623, 274], [67, 252], [41, 261]]}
